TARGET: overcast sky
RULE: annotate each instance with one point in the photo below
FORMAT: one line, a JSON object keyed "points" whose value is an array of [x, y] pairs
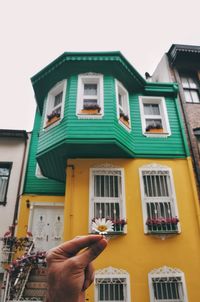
{"points": [[35, 32]]}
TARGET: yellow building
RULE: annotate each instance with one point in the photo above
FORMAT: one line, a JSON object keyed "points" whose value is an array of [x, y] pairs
{"points": [[126, 161]]}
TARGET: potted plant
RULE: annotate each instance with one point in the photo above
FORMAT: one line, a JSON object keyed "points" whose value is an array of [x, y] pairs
{"points": [[154, 128], [91, 109], [159, 225], [119, 225], [124, 118], [52, 118]]}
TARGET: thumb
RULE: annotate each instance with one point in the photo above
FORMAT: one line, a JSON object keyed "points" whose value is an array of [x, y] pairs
{"points": [[92, 252]]}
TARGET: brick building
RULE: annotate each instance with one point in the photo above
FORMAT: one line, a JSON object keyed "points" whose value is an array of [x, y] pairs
{"points": [[181, 64]]}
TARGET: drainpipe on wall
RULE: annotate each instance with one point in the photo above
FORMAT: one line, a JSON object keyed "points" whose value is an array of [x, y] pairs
{"points": [[21, 182]]}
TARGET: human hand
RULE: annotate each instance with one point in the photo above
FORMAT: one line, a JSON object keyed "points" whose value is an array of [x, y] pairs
{"points": [[70, 273]]}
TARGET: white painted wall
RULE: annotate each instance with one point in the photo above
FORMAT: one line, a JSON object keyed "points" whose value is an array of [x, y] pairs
{"points": [[162, 71], [11, 150]]}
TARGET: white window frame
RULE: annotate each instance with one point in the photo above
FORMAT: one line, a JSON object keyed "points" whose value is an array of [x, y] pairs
{"points": [[125, 107], [153, 168], [112, 273], [90, 78], [166, 272], [58, 88], [38, 172], [106, 171], [160, 101]]}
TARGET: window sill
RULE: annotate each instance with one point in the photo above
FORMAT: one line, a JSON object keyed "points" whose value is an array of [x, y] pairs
{"points": [[159, 232], [156, 134], [114, 233], [89, 115]]}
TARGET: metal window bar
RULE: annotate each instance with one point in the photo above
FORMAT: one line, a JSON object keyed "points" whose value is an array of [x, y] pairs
{"points": [[168, 289], [159, 202], [108, 197], [112, 289], [4, 175]]}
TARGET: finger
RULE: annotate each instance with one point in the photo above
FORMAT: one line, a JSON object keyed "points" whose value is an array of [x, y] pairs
{"points": [[72, 247], [89, 276], [82, 297], [92, 252]]}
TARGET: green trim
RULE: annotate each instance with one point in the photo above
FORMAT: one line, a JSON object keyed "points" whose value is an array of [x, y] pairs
{"points": [[161, 88]]}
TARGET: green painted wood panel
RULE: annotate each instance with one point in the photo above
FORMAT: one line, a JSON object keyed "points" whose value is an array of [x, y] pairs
{"points": [[33, 184], [108, 127]]}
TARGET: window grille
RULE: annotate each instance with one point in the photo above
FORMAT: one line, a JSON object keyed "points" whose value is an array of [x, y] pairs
{"points": [[107, 197], [112, 285], [111, 289], [167, 285], [158, 199], [168, 289], [4, 178]]}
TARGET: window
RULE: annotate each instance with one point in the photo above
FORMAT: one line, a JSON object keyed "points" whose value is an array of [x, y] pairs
{"points": [[55, 104], [90, 96], [154, 116], [5, 169], [107, 196], [160, 214], [112, 284], [190, 88], [167, 285], [123, 111]]}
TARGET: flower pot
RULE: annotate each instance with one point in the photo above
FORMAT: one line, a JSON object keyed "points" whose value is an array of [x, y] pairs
{"points": [[90, 111], [52, 120], [124, 121], [155, 130]]}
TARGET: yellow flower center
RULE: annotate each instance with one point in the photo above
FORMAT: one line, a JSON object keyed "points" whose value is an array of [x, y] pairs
{"points": [[102, 228]]}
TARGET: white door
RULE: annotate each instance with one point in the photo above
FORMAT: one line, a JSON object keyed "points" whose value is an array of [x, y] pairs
{"points": [[46, 226]]}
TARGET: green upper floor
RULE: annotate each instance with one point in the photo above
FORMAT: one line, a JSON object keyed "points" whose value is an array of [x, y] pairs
{"points": [[35, 182], [97, 105]]}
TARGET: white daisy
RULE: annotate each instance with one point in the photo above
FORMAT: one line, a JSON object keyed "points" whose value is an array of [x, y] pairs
{"points": [[102, 226]]}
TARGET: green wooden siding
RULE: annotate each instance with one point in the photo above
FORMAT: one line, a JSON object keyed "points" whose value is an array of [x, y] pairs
{"points": [[108, 128], [105, 137], [33, 184]]}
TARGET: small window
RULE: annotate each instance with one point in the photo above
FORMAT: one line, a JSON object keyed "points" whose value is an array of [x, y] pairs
{"points": [[160, 214], [90, 96], [55, 104], [167, 285], [191, 88], [123, 110], [154, 116], [107, 197], [5, 169], [112, 284]]}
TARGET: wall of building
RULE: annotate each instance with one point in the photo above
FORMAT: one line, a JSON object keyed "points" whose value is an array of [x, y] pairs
{"points": [[34, 184], [162, 72], [11, 150], [136, 252]]}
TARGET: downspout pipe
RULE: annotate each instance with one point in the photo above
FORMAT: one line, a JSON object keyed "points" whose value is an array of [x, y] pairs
{"points": [[20, 184]]}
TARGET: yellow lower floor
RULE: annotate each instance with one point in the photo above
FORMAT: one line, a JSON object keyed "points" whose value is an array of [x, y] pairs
{"points": [[135, 253]]}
